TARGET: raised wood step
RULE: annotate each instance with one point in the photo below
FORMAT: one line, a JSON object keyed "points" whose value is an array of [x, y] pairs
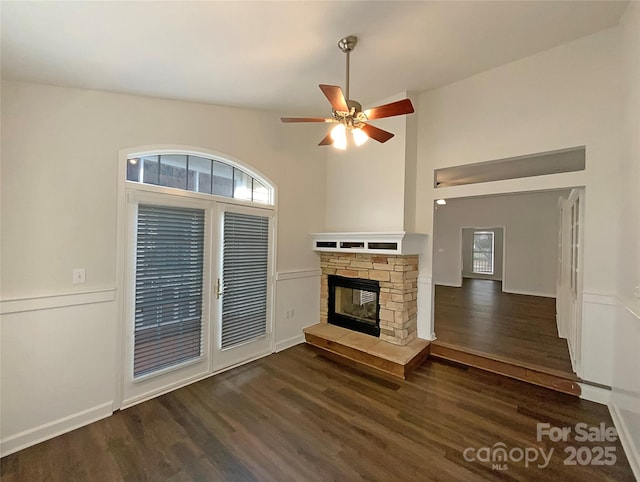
{"points": [[359, 349], [545, 377]]}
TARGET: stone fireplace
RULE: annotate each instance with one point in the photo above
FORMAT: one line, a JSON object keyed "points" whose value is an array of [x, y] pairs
{"points": [[375, 310], [397, 277]]}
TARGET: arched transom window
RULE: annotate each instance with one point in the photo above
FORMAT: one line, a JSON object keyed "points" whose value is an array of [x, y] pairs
{"points": [[198, 174]]}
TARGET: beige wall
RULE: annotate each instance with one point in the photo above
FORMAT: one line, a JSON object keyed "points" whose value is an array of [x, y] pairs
{"points": [[530, 224], [565, 97], [365, 186], [629, 189], [60, 154], [626, 362]]}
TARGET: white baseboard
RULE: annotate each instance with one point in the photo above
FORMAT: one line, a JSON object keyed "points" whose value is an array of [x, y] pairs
{"points": [[528, 293], [595, 394], [451, 285], [630, 450], [52, 429], [289, 342]]}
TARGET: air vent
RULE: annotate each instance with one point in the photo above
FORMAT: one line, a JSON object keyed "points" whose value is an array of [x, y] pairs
{"points": [[326, 244]]}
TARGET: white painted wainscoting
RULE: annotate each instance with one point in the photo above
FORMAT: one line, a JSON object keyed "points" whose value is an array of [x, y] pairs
{"points": [[57, 365], [426, 330], [610, 357], [625, 394], [59, 356], [297, 305], [596, 334]]}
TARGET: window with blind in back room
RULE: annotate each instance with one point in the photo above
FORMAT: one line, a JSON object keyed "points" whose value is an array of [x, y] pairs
{"points": [[168, 287], [483, 255]]}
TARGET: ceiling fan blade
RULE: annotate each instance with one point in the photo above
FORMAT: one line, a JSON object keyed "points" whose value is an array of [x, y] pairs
{"points": [[377, 133], [304, 119], [335, 96], [400, 107], [327, 141]]}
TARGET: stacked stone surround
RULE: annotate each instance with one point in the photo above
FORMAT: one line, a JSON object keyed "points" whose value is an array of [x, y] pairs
{"points": [[398, 278]]}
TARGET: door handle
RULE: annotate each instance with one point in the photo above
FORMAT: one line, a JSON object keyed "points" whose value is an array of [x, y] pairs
{"points": [[219, 291]]}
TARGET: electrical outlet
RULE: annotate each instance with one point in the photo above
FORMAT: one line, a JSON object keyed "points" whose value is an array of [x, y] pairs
{"points": [[78, 276], [636, 291]]}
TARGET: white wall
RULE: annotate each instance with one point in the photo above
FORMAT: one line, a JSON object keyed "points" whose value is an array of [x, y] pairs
{"points": [[625, 400], [59, 154], [59, 183], [565, 97], [531, 238], [365, 186]]}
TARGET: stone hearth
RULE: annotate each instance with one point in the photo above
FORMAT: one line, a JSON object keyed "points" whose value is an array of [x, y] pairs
{"points": [[398, 277]]}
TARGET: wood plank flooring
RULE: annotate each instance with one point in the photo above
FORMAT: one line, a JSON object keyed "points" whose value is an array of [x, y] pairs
{"points": [[479, 316], [297, 416]]}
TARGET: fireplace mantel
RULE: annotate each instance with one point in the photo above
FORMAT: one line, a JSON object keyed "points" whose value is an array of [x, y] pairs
{"points": [[396, 242]]}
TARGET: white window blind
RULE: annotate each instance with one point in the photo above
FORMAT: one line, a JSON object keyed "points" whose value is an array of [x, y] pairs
{"points": [[169, 287], [244, 278]]}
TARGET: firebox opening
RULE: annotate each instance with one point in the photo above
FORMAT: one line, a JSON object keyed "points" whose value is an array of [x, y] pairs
{"points": [[353, 304]]}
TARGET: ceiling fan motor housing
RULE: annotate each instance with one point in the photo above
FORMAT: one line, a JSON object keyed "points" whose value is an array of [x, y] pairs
{"points": [[347, 44]]}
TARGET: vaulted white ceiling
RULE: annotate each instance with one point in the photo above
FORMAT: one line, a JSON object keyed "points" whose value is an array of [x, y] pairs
{"points": [[272, 55]]}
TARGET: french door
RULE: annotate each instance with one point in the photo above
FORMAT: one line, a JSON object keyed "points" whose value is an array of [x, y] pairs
{"points": [[242, 287], [198, 290]]}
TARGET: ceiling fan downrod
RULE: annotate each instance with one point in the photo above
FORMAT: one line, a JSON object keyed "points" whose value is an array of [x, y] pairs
{"points": [[347, 44]]}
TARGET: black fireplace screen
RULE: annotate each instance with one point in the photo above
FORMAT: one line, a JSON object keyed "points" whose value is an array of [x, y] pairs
{"points": [[353, 304]]}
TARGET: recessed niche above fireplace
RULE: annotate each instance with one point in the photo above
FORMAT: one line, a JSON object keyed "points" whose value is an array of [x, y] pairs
{"points": [[353, 304], [398, 242]]}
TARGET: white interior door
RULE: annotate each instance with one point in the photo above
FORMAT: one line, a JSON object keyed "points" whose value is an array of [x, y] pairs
{"points": [[575, 277], [243, 288], [569, 294]]}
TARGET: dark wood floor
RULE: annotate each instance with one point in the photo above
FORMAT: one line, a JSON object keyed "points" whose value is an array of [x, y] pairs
{"points": [[481, 317], [298, 416]]}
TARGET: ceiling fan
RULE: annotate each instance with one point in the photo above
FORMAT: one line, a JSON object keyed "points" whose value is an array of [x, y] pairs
{"points": [[348, 115]]}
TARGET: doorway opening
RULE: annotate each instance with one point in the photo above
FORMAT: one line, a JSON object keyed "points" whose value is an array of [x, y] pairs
{"points": [[496, 265]]}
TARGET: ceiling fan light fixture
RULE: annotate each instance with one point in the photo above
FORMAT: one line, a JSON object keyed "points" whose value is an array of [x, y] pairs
{"points": [[339, 136], [348, 113], [359, 136]]}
